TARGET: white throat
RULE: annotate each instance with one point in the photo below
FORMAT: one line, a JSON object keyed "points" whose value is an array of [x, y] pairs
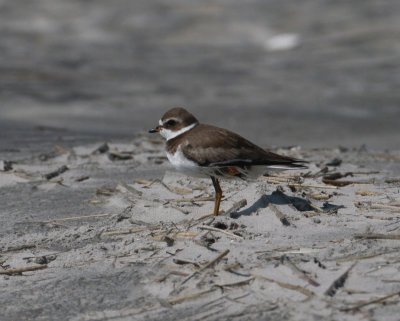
{"points": [[169, 134]]}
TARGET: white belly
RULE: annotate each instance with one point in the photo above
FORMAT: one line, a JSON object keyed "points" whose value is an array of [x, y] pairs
{"points": [[186, 166], [182, 164]]}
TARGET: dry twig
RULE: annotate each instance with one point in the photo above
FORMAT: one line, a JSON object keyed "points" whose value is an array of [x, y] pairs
{"points": [[282, 217], [339, 282], [72, 218], [127, 231], [293, 287], [184, 298], [206, 266], [378, 236], [375, 301], [23, 269]]}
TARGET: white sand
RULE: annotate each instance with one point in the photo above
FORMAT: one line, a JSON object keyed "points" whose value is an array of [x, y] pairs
{"points": [[119, 240]]}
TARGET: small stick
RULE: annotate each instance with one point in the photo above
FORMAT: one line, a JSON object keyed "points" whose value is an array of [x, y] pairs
{"points": [[57, 172], [82, 178], [301, 185], [24, 269], [377, 236], [339, 282], [312, 186], [282, 217], [19, 248], [163, 278], [384, 206], [183, 261], [361, 257], [214, 229], [127, 231], [391, 281], [380, 300], [214, 261], [206, 266], [236, 206], [190, 200], [315, 207], [240, 283], [72, 218], [183, 298], [297, 288]]}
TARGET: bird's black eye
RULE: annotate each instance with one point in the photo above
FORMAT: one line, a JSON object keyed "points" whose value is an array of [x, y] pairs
{"points": [[171, 122]]}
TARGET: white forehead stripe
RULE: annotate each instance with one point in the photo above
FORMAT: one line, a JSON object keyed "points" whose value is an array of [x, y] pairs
{"points": [[169, 134]]}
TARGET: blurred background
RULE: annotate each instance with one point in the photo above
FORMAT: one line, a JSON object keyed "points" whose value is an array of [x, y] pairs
{"points": [[309, 72]]}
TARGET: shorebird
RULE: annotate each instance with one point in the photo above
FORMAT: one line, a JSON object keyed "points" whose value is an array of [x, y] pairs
{"points": [[203, 150]]}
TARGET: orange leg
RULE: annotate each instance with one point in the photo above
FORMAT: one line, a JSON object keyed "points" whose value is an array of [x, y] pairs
{"points": [[218, 194]]}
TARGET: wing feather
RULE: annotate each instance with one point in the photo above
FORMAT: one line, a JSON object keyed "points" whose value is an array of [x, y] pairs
{"points": [[221, 147]]}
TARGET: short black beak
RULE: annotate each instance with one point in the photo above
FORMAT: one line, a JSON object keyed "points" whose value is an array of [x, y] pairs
{"points": [[155, 130]]}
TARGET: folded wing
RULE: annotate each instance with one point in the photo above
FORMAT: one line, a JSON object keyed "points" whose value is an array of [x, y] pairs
{"points": [[221, 148]]}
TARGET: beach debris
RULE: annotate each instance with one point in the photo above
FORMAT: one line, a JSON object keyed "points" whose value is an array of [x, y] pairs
{"points": [[188, 297], [57, 172], [103, 148], [393, 207], [367, 193], [234, 284], [337, 175], [339, 282], [164, 277], [116, 155], [359, 257], [392, 180], [19, 248], [106, 190], [331, 208], [334, 179], [221, 225], [157, 159], [70, 218], [126, 188], [298, 288], [184, 262], [236, 207], [169, 240], [41, 259], [374, 301], [127, 231], [19, 271], [334, 162], [300, 204], [319, 263], [207, 240], [323, 196], [377, 236], [279, 214], [6, 166], [210, 264], [82, 178]]}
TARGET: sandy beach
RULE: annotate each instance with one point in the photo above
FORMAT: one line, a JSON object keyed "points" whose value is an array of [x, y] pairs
{"points": [[111, 232]]}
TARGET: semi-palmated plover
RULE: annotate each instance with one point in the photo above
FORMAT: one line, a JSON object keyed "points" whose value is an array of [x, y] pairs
{"points": [[204, 150]]}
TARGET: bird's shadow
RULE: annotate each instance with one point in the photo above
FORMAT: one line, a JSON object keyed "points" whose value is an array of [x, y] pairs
{"points": [[280, 198]]}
